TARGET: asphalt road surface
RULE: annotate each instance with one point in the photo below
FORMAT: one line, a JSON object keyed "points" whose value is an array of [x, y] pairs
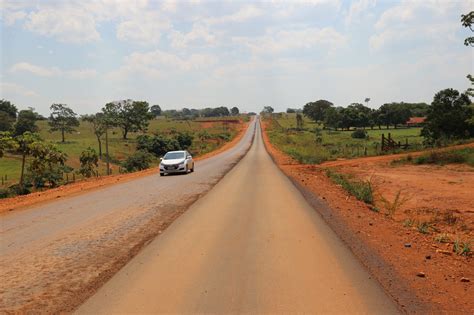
{"points": [[54, 255], [251, 245]]}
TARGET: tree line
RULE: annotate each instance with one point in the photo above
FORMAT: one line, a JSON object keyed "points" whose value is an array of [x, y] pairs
{"points": [[450, 115]]}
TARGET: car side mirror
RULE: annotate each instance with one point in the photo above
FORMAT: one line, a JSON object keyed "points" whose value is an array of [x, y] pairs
{"points": [[161, 159]]}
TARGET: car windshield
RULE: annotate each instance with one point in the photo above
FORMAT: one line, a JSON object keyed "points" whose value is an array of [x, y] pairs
{"points": [[173, 156]]}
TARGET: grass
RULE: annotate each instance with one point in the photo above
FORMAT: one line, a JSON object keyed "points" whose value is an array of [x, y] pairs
{"points": [[313, 147], [456, 156], [462, 248], [120, 149], [393, 206], [362, 190]]}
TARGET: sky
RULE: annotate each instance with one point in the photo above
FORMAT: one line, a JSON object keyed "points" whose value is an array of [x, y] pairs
{"points": [[247, 54]]}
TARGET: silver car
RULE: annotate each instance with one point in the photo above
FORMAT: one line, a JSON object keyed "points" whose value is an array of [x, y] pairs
{"points": [[176, 162]]}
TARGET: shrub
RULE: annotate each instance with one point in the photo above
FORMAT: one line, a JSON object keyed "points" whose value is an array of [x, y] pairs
{"points": [[359, 134], [89, 161], [4, 193], [140, 160], [16, 189]]}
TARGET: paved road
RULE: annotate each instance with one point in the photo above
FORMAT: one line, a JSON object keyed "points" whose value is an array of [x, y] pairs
{"points": [[251, 245], [53, 255]]}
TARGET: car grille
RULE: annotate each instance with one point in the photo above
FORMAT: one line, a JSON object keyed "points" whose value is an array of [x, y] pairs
{"points": [[171, 167]]}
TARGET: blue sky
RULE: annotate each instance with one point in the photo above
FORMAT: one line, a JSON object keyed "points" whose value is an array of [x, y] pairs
{"points": [[233, 53]]}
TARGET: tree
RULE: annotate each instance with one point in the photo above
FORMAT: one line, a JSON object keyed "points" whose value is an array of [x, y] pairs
{"points": [[467, 20], [7, 142], [8, 113], [47, 165], [234, 111], [62, 119], [26, 122], [290, 110], [316, 110], [155, 110], [268, 109], [394, 114], [333, 117], [448, 116], [24, 147], [128, 115], [89, 162], [99, 126]]}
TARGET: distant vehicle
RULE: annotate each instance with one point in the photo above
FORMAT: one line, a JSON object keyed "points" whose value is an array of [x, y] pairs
{"points": [[176, 162]]}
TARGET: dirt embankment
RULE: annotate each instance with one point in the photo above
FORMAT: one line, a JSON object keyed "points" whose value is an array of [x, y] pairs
{"points": [[419, 272], [18, 202]]}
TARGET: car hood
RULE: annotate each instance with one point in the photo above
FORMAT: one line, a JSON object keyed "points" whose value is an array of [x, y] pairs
{"points": [[172, 162]]}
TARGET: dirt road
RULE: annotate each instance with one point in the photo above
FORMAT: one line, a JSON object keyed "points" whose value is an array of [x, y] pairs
{"points": [[54, 255], [251, 245]]}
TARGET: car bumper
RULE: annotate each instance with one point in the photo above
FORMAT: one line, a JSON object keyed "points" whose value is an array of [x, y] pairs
{"points": [[181, 169]]}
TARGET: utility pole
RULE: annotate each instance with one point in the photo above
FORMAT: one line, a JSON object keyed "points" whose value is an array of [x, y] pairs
{"points": [[107, 147]]}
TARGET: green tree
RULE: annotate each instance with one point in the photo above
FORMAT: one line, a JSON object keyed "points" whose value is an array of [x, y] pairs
{"points": [[394, 114], [8, 113], [128, 115], [448, 117], [7, 142], [47, 164], [155, 110], [89, 162], [234, 111], [24, 145], [26, 122], [333, 117], [316, 110], [467, 20], [99, 126], [62, 119], [268, 110]]}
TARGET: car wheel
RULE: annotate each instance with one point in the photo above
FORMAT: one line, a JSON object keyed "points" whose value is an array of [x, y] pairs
{"points": [[162, 174]]}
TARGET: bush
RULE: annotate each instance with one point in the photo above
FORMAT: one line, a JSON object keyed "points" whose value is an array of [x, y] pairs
{"points": [[4, 193], [159, 144], [15, 189], [359, 134], [89, 161], [140, 160], [185, 140]]}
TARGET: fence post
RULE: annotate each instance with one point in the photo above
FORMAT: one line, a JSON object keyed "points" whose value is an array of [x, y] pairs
{"points": [[67, 178], [383, 140], [73, 177], [365, 151]]}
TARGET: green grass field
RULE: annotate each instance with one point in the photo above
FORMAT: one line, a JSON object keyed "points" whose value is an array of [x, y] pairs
{"points": [[119, 149], [305, 147]]}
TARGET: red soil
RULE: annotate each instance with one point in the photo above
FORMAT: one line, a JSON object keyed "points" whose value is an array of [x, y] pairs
{"points": [[421, 274]]}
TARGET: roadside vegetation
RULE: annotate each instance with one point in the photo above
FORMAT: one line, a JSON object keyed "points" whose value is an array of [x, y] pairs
{"points": [[457, 156], [38, 152], [362, 190]]}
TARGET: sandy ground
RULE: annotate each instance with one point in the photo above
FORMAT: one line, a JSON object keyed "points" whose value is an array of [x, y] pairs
{"points": [[19, 202], [55, 254], [252, 245], [394, 254]]}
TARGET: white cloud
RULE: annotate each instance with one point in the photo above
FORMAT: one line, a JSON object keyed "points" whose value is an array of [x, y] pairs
{"points": [[359, 8], [81, 73], [52, 71], [13, 16], [11, 89], [429, 21], [199, 33], [36, 70], [70, 25], [158, 64], [247, 12], [283, 40], [144, 28]]}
